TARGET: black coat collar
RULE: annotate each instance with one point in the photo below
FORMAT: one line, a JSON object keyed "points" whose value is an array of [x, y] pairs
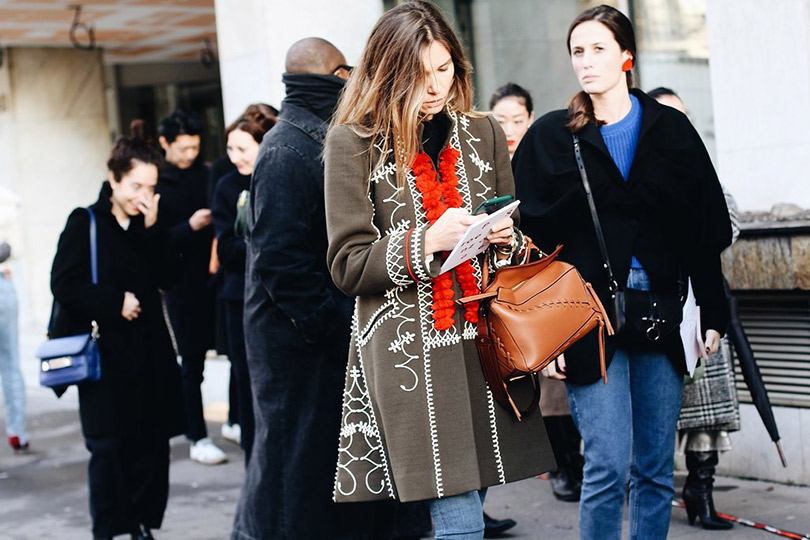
{"points": [[650, 112], [305, 120]]}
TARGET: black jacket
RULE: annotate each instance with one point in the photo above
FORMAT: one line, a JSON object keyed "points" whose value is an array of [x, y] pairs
{"points": [[191, 302], [139, 391], [670, 213], [231, 248], [297, 337]]}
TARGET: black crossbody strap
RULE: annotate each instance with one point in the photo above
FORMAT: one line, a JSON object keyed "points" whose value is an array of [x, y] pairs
{"points": [[614, 286]]}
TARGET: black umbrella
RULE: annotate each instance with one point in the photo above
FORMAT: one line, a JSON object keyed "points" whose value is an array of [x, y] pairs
{"points": [[751, 373]]}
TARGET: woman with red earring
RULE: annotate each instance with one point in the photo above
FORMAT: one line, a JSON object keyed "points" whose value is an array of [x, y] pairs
{"points": [[662, 219]]}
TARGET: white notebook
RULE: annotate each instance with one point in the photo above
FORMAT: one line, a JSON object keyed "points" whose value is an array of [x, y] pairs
{"points": [[474, 240]]}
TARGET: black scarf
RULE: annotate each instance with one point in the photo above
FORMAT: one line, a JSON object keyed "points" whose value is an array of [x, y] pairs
{"points": [[316, 93]]}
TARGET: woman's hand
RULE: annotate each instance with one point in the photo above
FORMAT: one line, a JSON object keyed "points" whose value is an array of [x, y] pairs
{"points": [[131, 308], [448, 230], [150, 210], [200, 219], [501, 234], [556, 369], [712, 341]]}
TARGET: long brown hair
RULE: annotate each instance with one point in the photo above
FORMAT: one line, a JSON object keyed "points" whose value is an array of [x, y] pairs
{"points": [[580, 107], [385, 91], [257, 120]]}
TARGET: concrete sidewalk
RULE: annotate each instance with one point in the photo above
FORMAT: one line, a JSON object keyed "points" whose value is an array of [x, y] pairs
{"points": [[44, 494]]}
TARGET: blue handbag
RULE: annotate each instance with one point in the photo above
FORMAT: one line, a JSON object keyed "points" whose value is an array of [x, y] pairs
{"points": [[72, 359]]}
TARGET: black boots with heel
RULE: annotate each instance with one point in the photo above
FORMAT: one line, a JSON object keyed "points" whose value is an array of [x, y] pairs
{"points": [[697, 492]]}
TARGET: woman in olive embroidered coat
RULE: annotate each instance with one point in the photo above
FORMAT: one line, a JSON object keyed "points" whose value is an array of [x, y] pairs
{"points": [[418, 419]]}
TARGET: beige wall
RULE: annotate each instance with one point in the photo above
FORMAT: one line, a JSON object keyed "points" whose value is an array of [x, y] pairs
{"points": [[253, 37], [55, 142], [760, 76]]}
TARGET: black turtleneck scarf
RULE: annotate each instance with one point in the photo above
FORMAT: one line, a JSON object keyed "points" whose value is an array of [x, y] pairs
{"points": [[316, 93]]}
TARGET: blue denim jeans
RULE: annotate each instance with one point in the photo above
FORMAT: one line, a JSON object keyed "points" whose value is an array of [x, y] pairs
{"points": [[628, 426], [10, 374], [460, 517]]}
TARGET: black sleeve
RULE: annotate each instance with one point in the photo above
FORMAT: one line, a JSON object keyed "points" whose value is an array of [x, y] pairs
{"points": [[162, 257], [230, 248], [71, 281], [714, 235], [544, 194], [284, 199]]}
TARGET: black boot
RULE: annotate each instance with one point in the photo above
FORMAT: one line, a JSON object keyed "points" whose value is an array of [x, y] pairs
{"points": [[697, 492], [143, 533], [494, 528], [566, 480]]}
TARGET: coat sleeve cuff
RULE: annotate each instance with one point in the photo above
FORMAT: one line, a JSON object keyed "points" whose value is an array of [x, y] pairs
{"points": [[405, 259]]}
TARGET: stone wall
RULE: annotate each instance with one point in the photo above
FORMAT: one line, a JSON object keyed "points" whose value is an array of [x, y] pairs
{"points": [[775, 260]]}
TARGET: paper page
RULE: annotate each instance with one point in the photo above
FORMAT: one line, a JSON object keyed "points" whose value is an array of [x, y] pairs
{"points": [[693, 347], [474, 240]]}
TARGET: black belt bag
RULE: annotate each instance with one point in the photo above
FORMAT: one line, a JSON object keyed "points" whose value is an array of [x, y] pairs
{"points": [[636, 315], [650, 316]]}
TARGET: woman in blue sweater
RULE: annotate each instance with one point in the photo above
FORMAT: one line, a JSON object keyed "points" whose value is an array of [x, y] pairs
{"points": [[663, 219]]}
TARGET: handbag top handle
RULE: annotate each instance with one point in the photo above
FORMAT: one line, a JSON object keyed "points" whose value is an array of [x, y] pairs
{"points": [[613, 285]]}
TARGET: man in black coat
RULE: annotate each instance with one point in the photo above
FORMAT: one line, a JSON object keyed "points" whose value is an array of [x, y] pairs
{"points": [[185, 211], [296, 321]]}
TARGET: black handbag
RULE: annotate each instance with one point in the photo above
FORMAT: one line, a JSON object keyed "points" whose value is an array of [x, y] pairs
{"points": [[72, 359], [635, 314]]}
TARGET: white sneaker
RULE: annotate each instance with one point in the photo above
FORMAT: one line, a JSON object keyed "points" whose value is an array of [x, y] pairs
{"points": [[206, 452], [232, 432]]}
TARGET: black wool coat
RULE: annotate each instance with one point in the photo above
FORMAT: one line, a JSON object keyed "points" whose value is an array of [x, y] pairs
{"points": [[139, 394], [231, 249], [670, 214], [191, 302], [297, 337]]}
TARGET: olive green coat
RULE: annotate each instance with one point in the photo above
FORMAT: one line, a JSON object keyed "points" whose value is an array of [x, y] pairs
{"points": [[418, 419]]}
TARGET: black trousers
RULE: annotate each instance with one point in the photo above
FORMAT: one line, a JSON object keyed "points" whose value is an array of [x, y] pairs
{"points": [[234, 321], [128, 480], [191, 370]]}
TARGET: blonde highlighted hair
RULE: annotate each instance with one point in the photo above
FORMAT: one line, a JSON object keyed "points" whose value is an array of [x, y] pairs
{"points": [[385, 92]]}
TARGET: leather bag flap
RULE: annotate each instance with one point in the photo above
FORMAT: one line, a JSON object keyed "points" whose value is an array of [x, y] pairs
{"points": [[65, 346]]}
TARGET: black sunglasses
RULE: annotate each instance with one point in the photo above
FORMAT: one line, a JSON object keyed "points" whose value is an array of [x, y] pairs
{"points": [[343, 66]]}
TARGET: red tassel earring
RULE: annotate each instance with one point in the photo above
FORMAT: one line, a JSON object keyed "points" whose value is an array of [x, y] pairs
{"points": [[628, 65]]}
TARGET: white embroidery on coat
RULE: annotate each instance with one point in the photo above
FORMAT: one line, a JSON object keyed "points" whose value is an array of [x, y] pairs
{"points": [[424, 290], [417, 255], [404, 337], [496, 445], [395, 263], [483, 166], [359, 422]]}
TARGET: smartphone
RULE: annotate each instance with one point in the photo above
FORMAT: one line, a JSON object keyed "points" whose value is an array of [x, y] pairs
{"points": [[493, 205]]}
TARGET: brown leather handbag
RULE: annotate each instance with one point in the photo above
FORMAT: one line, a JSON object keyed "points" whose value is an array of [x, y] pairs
{"points": [[529, 315]]}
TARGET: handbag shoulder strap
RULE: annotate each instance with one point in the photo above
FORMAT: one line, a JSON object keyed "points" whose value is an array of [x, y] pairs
{"points": [[93, 265], [613, 285], [93, 247]]}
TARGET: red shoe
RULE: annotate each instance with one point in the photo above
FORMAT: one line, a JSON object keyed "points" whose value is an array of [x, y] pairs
{"points": [[16, 445]]}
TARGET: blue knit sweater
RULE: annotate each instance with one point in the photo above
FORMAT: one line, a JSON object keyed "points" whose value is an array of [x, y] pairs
{"points": [[621, 139]]}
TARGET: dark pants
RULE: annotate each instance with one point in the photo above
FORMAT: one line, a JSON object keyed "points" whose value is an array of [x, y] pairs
{"points": [[234, 317], [128, 480], [233, 397], [192, 372]]}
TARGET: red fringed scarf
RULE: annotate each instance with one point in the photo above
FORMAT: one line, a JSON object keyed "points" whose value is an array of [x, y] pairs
{"points": [[436, 198]]}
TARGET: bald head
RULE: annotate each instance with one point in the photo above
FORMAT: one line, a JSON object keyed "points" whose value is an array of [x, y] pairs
{"points": [[313, 55]]}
